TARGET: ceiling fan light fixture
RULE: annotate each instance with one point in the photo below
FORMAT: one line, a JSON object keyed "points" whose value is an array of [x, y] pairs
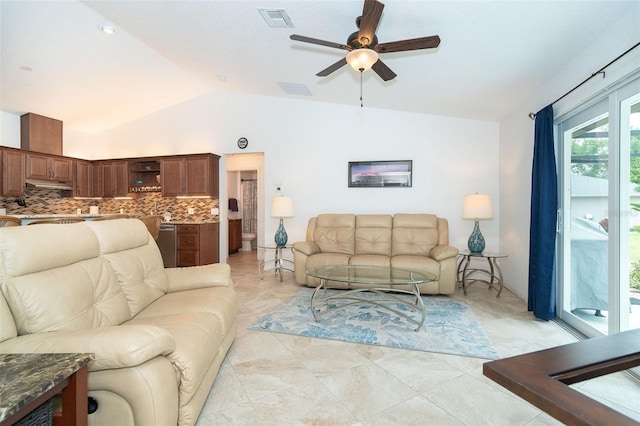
{"points": [[362, 59]]}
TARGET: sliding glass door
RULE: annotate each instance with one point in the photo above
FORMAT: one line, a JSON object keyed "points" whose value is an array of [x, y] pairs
{"points": [[599, 227]]}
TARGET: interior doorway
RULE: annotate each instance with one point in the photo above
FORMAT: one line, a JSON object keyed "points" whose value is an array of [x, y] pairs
{"points": [[245, 197]]}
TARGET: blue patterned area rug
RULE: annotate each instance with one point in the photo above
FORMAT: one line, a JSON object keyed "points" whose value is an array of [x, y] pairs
{"points": [[449, 326]]}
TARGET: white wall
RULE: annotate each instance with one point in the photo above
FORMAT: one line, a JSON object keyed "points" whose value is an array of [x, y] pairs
{"points": [[307, 146], [516, 136], [9, 129]]}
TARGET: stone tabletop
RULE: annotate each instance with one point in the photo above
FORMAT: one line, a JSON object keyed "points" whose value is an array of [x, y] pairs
{"points": [[24, 377]]}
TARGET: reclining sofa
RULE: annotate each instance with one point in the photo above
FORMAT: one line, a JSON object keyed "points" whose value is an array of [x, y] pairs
{"points": [[159, 335], [418, 242]]}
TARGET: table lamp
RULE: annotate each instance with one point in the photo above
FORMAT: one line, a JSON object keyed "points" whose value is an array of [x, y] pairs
{"points": [[477, 207], [281, 207]]}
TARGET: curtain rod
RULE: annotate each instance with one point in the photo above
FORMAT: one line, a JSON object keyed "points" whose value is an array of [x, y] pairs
{"points": [[600, 71]]}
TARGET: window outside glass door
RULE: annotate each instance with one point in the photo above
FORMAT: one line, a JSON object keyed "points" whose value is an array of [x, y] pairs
{"points": [[599, 231]]}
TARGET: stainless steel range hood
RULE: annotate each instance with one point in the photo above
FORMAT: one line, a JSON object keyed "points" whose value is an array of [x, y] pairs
{"points": [[45, 184]]}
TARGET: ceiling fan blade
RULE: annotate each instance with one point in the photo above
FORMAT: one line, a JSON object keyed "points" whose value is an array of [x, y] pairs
{"points": [[325, 72], [410, 44], [371, 13], [320, 42], [383, 71]]}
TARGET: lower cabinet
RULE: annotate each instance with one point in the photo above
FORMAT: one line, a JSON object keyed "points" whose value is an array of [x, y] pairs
{"points": [[197, 244], [235, 235]]}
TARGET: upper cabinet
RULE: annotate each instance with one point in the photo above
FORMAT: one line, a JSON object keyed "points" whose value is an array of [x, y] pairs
{"points": [[82, 184], [194, 175], [12, 163], [97, 179], [115, 178], [40, 134], [48, 167], [190, 175]]}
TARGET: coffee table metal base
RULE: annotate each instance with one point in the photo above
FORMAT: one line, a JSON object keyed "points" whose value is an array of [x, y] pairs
{"points": [[387, 295]]}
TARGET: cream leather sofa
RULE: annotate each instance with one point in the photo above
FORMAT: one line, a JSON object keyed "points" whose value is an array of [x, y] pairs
{"points": [[419, 242], [158, 335]]}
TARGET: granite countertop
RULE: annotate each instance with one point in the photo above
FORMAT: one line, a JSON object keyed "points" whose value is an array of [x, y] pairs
{"points": [[47, 215], [25, 377], [189, 222]]}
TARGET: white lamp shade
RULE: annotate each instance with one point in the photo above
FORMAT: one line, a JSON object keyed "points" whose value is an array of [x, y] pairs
{"points": [[281, 207], [362, 59], [477, 207]]}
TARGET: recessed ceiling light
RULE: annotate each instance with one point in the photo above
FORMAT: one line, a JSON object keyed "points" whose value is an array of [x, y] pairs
{"points": [[108, 29], [222, 77]]}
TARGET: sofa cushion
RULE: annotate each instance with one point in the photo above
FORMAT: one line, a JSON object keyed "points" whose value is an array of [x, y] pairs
{"points": [[327, 259], [373, 234], [221, 302], [79, 283], [370, 260], [335, 233], [414, 234], [7, 324], [417, 263], [134, 256]]}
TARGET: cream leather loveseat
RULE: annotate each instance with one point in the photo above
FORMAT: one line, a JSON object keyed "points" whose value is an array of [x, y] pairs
{"points": [[158, 335], [419, 242]]}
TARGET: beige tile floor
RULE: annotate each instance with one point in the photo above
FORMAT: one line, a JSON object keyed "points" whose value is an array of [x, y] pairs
{"points": [[277, 379]]}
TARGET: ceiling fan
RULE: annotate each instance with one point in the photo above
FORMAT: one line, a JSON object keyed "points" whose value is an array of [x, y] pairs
{"points": [[363, 46]]}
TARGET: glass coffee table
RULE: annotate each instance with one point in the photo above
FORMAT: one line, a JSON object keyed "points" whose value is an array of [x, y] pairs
{"points": [[386, 282]]}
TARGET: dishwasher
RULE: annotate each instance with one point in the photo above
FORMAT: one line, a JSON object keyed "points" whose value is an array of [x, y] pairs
{"points": [[167, 244]]}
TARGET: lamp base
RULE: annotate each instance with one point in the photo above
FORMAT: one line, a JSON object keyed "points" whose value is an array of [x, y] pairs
{"points": [[476, 240], [281, 235]]}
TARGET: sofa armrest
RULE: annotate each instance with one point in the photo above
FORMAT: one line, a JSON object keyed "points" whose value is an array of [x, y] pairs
{"points": [[306, 247], [440, 253], [193, 277], [114, 347]]}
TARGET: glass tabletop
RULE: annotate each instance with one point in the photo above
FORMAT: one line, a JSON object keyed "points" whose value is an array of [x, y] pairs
{"points": [[361, 274], [482, 254]]}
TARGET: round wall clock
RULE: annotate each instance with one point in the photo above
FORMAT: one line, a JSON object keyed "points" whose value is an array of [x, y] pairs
{"points": [[242, 143]]}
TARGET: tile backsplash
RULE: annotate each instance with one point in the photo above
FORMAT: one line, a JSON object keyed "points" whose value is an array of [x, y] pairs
{"points": [[46, 201]]}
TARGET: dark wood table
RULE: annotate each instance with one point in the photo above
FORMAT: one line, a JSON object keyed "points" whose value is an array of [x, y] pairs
{"points": [[30, 380], [542, 377]]}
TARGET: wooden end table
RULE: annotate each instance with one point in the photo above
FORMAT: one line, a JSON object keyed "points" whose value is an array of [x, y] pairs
{"points": [[32, 379]]}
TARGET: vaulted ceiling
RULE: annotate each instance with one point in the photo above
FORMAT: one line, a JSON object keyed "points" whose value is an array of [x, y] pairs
{"points": [[55, 61]]}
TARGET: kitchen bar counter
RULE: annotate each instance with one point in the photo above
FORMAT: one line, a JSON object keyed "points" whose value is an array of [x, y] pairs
{"points": [[26, 218], [55, 215]]}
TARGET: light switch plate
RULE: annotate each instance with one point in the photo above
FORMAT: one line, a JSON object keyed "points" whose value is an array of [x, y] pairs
{"points": [[215, 211], [190, 210]]}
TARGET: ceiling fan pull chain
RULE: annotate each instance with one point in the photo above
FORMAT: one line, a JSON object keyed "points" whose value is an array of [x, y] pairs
{"points": [[361, 72]]}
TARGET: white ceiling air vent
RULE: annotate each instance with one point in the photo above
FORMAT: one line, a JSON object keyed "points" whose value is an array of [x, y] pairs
{"points": [[294, 89], [276, 18]]}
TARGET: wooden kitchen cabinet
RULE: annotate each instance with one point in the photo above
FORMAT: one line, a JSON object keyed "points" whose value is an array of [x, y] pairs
{"points": [[235, 235], [48, 167], [82, 185], [115, 178], [97, 179], [13, 164], [40, 134], [197, 244], [189, 175]]}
